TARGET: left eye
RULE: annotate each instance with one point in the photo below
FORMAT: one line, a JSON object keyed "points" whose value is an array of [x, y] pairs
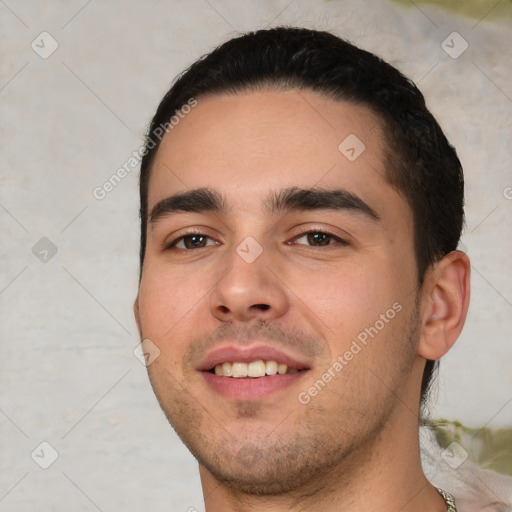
{"points": [[319, 238]]}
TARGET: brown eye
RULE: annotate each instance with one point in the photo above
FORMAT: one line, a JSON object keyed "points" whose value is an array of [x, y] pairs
{"points": [[192, 241], [320, 239]]}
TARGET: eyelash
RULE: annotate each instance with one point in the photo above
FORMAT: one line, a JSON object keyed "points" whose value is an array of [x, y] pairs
{"points": [[172, 245]]}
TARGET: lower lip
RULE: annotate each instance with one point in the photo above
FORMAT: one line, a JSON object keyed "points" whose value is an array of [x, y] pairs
{"points": [[250, 388]]}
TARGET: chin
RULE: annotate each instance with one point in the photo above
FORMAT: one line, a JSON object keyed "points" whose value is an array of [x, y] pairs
{"points": [[276, 469]]}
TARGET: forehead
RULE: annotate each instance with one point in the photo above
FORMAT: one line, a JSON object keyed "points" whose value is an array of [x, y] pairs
{"points": [[250, 143]]}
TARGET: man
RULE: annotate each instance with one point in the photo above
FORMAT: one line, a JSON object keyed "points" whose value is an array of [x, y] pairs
{"points": [[300, 213]]}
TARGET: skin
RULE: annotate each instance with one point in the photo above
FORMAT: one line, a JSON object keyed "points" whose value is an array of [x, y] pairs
{"points": [[354, 446]]}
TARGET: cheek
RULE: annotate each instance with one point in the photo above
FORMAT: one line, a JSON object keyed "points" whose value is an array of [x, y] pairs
{"points": [[168, 304], [342, 300], [168, 294], [158, 304], [347, 301]]}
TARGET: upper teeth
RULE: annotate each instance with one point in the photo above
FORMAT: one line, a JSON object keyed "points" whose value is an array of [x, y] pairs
{"points": [[255, 369]]}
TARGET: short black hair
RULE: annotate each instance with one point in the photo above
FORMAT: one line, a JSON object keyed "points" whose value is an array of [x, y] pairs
{"points": [[420, 163]]}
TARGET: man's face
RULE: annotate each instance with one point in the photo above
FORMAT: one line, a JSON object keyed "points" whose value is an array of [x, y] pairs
{"points": [[302, 283]]}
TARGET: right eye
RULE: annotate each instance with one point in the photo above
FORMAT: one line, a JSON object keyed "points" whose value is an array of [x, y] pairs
{"points": [[191, 241]]}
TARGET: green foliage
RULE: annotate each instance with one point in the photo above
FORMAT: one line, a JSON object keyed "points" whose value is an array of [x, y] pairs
{"points": [[489, 448], [474, 9]]}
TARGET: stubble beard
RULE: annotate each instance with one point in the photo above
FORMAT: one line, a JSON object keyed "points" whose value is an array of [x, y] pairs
{"points": [[324, 446]]}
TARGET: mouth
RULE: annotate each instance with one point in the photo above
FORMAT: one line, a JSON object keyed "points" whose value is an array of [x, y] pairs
{"points": [[250, 373]]}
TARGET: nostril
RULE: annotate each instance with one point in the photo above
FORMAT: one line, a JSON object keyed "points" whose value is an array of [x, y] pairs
{"points": [[263, 307]]}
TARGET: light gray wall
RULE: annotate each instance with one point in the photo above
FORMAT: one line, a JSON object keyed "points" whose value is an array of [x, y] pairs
{"points": [[70, 120]]}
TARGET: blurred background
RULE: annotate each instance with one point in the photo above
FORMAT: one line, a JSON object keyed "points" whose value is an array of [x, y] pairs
{"points": [[80, 80]]}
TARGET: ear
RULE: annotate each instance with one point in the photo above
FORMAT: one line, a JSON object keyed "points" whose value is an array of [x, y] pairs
{"points": [[137, 314], [444, 304]]}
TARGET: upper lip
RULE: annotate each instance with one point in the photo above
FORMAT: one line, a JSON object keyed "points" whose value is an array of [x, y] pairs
{"points": [[246, 354]]}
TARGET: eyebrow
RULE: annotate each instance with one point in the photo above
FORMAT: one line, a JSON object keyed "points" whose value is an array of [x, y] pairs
{"points": [[290, 199]]}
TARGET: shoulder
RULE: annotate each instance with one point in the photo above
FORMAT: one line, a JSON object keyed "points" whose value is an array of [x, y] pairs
{"points": [[474, 489]]}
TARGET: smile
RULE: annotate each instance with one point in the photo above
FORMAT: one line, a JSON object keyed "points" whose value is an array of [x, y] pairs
{"points": [[254, 369]]}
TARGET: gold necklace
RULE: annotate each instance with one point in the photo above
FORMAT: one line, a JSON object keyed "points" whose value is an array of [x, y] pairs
{"points": [[449, 499]]}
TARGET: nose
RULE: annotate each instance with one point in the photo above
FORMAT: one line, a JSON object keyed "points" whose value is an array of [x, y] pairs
{"points": [[249, 291]]}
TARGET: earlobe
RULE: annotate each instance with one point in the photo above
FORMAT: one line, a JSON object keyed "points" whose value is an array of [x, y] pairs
{"points": [[445, 304]]}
